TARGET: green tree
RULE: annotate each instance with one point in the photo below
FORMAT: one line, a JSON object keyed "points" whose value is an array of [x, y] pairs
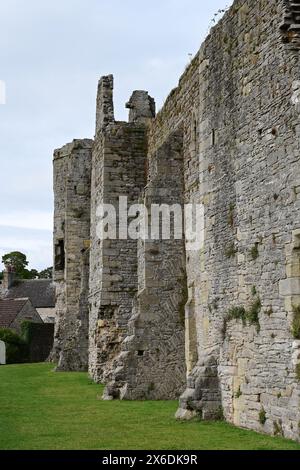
{"points": [[46, 274], [18, 261], [32, 274]]}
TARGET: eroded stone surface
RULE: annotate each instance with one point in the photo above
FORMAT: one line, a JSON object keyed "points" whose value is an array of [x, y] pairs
{"points": [[72, 187], [226, 139]]}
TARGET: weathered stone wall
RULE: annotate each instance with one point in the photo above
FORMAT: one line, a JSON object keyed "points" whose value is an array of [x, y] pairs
{"points": [[135, 323], [151, 364], [118, 170], [60, 169], [72, 185], [227, 139], [238, 105]]}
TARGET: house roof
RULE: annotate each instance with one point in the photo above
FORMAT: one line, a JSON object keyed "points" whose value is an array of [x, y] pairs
{"points": [[9, 309], [41, 292]]}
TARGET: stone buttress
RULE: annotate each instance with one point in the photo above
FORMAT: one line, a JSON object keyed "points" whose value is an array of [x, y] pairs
{"points": [[119, 159], [151, 365]]}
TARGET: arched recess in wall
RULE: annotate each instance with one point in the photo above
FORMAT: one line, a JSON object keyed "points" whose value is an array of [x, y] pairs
{"points": [[60, 255]]}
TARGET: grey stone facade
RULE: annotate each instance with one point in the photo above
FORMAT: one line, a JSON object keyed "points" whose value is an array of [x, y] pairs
{"points": [[151, 363], [227, 139], [72, 188]]}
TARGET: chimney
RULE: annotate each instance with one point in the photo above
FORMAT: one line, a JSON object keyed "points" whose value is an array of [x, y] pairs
{"points": [[9, 277]]}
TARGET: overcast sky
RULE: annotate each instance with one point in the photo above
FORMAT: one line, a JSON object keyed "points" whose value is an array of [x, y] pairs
{"points": [[52, 53]]}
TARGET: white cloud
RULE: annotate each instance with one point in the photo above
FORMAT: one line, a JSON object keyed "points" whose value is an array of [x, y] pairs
{"points": [[36, 244], [34, 220]]}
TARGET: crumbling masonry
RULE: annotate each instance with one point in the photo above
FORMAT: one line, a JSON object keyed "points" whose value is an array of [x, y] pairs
{"points": [[219, 326]]}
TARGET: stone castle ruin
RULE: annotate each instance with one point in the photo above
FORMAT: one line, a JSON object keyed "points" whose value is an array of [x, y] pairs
{"points": [[219, 326]]}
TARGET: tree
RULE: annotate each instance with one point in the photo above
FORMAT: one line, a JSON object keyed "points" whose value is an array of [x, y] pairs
{"points": [[17, 261], [32, 274], [46, 273]]}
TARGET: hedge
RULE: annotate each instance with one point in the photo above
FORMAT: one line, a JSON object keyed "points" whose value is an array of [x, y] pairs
{"points": [[17, 351]]}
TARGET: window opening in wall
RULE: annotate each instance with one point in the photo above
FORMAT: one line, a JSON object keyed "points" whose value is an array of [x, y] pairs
{"points": [[194, 136], [213, 137], [60, 255]]}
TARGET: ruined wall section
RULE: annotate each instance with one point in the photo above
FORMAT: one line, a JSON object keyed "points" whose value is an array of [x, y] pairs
{"points": [[72, 183], [118, 170], [151, 364], [60, 169], [290, 25], [238, 103]]}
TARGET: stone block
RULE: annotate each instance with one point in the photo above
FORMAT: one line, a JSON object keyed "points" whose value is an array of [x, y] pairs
{"points": [[289, 287]]}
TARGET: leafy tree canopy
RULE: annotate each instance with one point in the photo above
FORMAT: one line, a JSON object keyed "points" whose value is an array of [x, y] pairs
{"points": [[46, 273], [18, 262]]}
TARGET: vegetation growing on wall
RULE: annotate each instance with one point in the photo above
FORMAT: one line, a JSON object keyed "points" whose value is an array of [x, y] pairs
{"points": [[262, 417], [278, 431], [296, 322], [298, 372], [185, 298], [231, 251], [250, 316], [254, 252]]}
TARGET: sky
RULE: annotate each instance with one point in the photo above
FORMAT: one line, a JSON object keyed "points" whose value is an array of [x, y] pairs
{"points": [[52, 53]]}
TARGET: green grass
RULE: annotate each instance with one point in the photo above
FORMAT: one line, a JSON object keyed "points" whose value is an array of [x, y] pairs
{"points": [[41, 410]]}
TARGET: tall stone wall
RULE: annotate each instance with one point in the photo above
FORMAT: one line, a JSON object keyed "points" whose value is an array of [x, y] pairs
{"points": [[72, 186], [151, 363], [238, 105], [227, 139], [119, 158], [136, 288]]}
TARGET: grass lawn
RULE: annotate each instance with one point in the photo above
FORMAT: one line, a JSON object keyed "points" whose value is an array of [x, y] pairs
{"points": [[43, 410]]}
